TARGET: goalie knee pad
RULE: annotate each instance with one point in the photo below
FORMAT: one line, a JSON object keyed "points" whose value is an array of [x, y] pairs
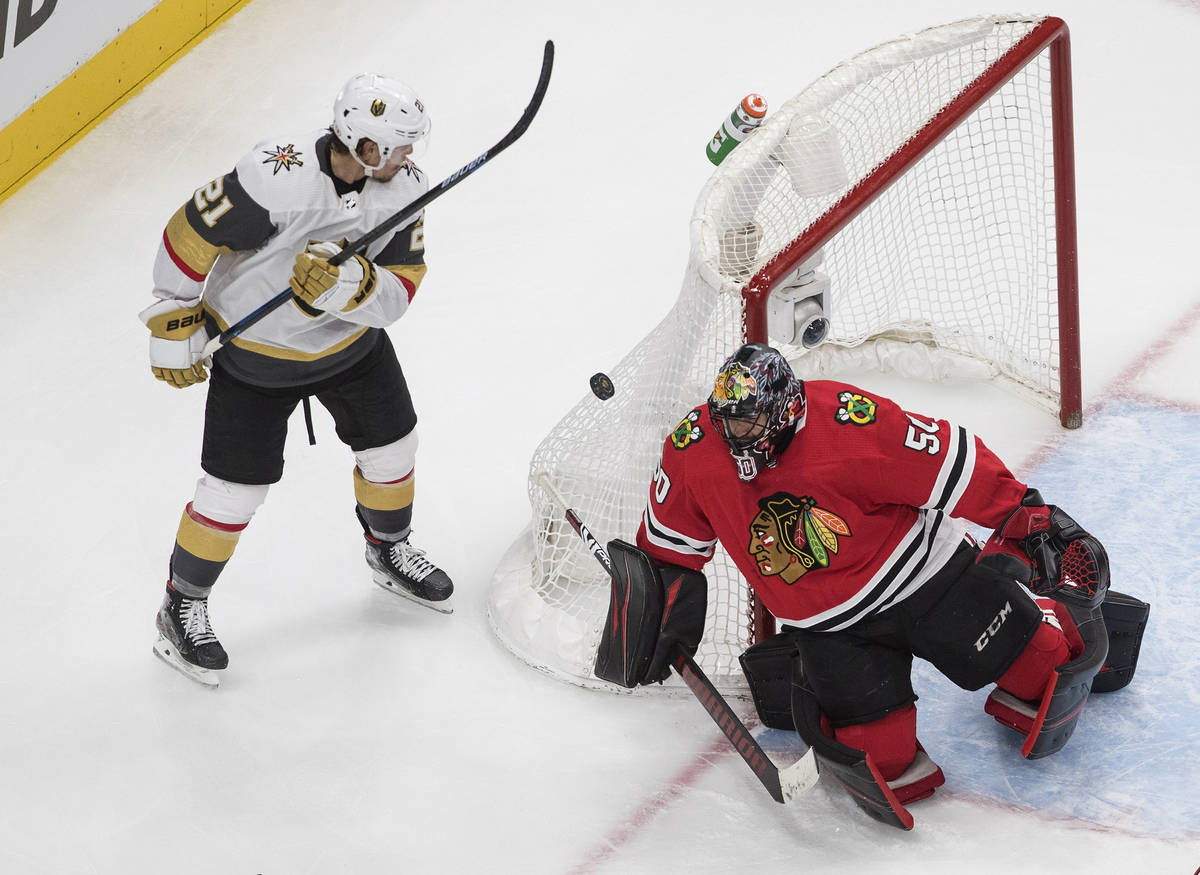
{"points": [[767, 666]]}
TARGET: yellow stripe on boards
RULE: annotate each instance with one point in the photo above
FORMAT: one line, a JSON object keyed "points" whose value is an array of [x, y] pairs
{"points": [[103, 83], [383, 496]]}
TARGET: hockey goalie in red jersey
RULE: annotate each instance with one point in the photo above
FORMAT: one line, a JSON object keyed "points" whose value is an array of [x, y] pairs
{"points": [[845, 515]]}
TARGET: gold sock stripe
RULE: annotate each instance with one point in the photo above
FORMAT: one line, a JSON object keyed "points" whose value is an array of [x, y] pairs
{"points": [[383, 496], [205, 538]]}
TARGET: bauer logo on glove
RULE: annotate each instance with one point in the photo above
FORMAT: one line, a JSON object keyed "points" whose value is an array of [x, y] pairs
{"points": [[177, 341], [331, 287]]}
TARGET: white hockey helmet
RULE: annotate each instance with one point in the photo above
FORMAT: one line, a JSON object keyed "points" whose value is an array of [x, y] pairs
{"points": [[381, 109]]}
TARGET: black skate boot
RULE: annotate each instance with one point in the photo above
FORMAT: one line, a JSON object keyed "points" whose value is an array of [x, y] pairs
{"points": [[401, 568], [186, 641]]}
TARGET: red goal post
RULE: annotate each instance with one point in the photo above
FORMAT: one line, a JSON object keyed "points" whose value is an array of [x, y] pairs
{"points": [[922, 195]]}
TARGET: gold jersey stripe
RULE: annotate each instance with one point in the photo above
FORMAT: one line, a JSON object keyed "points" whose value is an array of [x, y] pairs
{"points": [[205, 542], [189, 247], [383, 496]]}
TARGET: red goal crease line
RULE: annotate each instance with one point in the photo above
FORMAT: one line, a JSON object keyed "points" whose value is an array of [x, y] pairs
{"points": [[1121, 388]]}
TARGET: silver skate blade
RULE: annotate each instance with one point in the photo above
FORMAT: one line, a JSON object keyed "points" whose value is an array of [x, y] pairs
{"points": [[167, 652], [384, 582]]}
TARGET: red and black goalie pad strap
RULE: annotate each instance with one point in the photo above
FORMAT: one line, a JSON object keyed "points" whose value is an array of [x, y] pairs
{"points": [[849, 767], [1125, 619], [1067, 693], [684, 605], [635, 611]]}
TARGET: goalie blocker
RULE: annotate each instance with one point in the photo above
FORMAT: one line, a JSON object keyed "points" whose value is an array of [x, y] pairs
{"points": [[651, 610]]}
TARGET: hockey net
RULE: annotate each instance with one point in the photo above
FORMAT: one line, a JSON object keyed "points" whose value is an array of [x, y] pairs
{"points": [[930, 179]]}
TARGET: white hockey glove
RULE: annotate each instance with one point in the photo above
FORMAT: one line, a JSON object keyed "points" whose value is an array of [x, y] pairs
{"points": [[176, 341], [333, 289]]}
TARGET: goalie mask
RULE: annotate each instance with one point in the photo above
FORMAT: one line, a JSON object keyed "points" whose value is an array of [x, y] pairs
{"points": [[381, 109], [757, 405]]}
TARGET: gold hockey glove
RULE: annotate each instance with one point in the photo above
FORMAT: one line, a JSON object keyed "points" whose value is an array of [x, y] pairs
{"points": [[333, 289], [177, 341]]}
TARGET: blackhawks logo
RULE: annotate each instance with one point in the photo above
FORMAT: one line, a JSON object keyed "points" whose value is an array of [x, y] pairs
{"points": [[687, 432], [856, 409], [790, 536], [734, 384], [284, 158]]}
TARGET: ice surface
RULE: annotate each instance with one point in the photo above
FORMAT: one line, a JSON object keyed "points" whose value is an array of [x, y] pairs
{"points": [[355, 733]]}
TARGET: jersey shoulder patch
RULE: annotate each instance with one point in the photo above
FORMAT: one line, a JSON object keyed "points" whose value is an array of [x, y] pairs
{"points": [[283, 173], [688, 432]]}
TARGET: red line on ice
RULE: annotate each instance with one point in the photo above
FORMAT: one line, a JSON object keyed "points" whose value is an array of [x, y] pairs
{"points": [[659, 802]]}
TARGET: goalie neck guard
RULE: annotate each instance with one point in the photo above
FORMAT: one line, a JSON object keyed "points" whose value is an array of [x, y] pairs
{"points": [[757, 406]]}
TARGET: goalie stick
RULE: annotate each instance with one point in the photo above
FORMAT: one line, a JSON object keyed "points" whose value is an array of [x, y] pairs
{"points": [[406, 213], [784, 785]]}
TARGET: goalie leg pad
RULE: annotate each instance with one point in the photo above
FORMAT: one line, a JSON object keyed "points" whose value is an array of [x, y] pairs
{"points": [[768, 669], [854, 769], [1125, 619], [1049, 722], [891, 740]]}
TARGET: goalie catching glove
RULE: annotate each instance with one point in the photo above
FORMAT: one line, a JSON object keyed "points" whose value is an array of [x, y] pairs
{"points": [[1050, 553], [328, 287], [176, 341], [653, 613]]}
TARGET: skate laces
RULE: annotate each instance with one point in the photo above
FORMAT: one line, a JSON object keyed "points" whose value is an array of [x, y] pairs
{"points": [[410, 561], [194, 615]]}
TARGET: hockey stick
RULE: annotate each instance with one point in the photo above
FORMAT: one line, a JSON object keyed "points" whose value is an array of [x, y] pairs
{"points": [[784, 785], [403, 215]]}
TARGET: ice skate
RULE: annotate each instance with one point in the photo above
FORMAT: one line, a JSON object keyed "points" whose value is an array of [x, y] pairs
{"points": [[186, 641], [401, 568]]}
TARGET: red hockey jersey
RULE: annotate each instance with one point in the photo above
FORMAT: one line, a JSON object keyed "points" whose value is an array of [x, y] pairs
{"points": [[854, 518]]}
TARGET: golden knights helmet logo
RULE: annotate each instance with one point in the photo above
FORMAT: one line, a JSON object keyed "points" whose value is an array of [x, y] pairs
{"points": [[790, 536]]}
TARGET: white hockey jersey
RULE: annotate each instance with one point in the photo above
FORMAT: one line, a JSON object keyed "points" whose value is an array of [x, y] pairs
{"points": [[236, 240]]}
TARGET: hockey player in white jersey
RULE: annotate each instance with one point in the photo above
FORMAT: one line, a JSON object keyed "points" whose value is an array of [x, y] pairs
{"points": [[276, 220]]}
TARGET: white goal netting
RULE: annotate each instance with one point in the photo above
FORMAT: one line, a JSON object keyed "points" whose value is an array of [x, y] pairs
{"points": [[919, 179]]}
